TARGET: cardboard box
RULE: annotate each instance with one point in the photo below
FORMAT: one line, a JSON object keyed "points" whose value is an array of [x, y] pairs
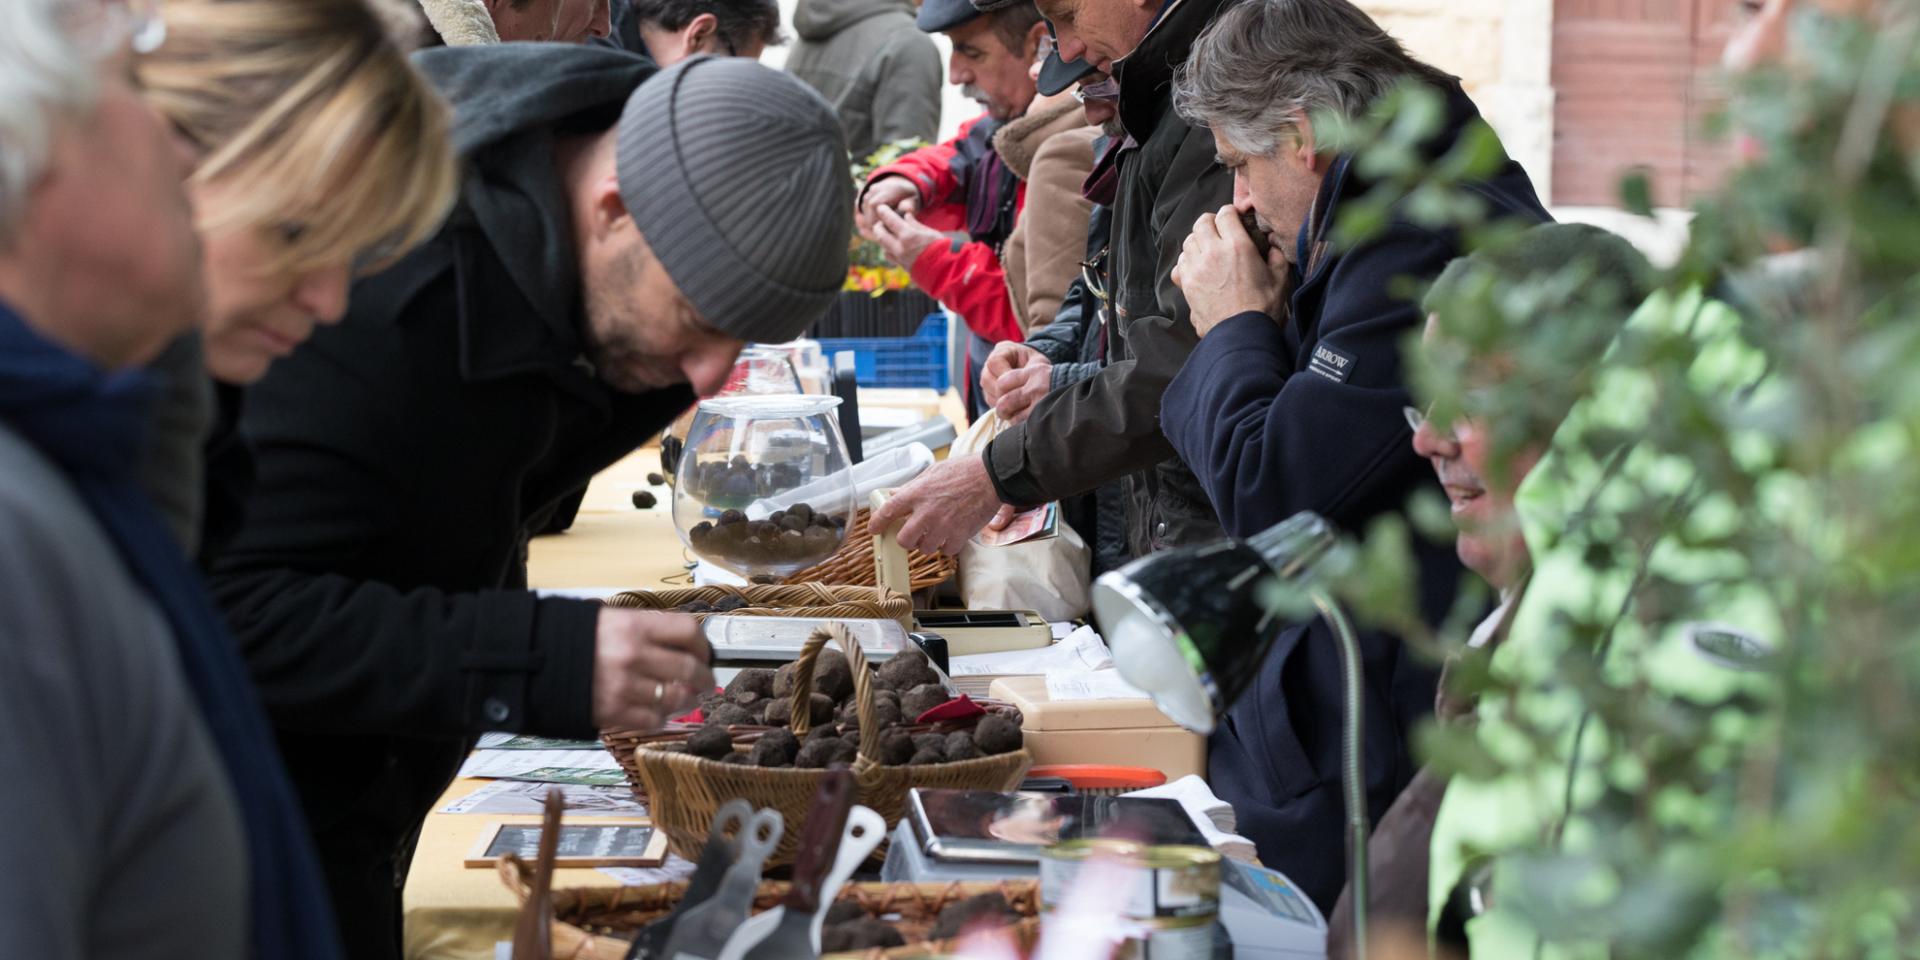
{"points": [[1130, 733]]}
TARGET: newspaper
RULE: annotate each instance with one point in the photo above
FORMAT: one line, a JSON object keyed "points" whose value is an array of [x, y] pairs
{"points": [[523, 797], [522, 741], [522, 763]]}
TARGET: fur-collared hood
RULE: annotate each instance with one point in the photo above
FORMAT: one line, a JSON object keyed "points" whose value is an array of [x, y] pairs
{"points": [[460, 23], [1020, 139]]}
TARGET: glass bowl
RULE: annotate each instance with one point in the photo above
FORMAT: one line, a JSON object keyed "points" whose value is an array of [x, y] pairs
{"points": [[764, 487], [759, 370]]}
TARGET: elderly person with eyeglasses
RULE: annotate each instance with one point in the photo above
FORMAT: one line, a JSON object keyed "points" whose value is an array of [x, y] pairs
{"points": [[146, 811]]}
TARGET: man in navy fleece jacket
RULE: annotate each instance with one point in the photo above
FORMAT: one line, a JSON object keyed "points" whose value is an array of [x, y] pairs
{"points": [[1293, 398]]}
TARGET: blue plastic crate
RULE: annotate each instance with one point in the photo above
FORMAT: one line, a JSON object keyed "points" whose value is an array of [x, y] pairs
{"points": [[916, 361]]}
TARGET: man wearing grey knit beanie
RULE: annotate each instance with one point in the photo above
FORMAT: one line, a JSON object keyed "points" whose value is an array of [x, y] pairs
{"points": [[621, 232]]}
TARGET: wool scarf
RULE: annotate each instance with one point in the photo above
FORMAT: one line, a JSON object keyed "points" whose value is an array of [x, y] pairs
{"points": [[91, 423]]}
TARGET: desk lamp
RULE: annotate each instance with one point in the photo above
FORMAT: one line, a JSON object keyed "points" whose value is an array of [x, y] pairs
{"points": [[1191, 626]]}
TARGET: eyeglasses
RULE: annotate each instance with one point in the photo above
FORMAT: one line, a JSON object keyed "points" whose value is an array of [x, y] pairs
{"points": [[1093, 274], [1417, 418], [1107, 89]]}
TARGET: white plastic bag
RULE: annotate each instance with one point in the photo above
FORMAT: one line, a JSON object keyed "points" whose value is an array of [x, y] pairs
{"points": [[1052, 577]]}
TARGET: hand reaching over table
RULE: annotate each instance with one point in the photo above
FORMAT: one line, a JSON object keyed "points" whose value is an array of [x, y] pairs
{"points": [[944, 507], [647, 666]]}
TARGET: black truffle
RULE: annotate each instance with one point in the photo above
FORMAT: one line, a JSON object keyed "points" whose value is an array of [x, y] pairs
{"points": [[776, 748], [934, 743], [736, 757], [921, 699], [862, 934], [656, 479], [730, 603], [922, 758], [712, 742], [960, 746], [907, 669], [843, 911], [822, 711], [833, 676], [725, 714], [779, 712], [783, 682], [997, 734], [896, 746], [983, 911], [817, 754], [823, 730], [644, 499], [757, 679]]}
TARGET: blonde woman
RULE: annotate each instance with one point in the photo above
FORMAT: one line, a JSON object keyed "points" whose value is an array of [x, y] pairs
{"points": [[320, 153]]}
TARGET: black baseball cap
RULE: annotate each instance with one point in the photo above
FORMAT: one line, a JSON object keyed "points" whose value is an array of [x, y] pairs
{"points": [[939, 16], [1057, 74]]}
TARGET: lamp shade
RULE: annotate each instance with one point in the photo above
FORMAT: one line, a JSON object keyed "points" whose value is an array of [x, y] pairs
{"points": [[1190, 626]]}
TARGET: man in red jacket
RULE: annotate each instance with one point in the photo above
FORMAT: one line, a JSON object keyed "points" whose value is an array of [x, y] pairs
{"points": [[911, 206]]}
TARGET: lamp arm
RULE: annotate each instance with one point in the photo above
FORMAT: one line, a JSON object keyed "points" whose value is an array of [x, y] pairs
{"points": [[1353, 779]]}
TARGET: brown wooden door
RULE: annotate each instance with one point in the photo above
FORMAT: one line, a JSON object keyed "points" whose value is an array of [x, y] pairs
{"points": [[1634, 81]]}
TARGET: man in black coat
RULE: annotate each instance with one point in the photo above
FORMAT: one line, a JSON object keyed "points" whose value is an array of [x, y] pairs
{"points": [[614, 244], [1106, 428], [1293, 400]]}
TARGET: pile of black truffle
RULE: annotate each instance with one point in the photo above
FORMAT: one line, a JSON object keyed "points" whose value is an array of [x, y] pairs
{"points": [[737, 481], [849, 928], [796, 535], [903, 688], [726, 604]]}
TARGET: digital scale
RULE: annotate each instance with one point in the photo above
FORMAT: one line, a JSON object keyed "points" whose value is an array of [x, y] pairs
{"points": [[986, 631], [780, 639]]}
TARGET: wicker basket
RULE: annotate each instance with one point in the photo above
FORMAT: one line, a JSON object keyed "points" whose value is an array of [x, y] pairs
{"points": [[783, 600], [597, 923], [852, 564], [684, 791]]}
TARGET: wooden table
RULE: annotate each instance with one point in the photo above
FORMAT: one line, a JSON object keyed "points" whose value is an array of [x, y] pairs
{"points": [[453, 912]]}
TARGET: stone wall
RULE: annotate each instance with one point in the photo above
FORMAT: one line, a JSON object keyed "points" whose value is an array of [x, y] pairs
{"points": [[1501, 50]]}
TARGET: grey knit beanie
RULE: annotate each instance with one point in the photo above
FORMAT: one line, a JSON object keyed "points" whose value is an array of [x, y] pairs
{"points": [[737, 177]]}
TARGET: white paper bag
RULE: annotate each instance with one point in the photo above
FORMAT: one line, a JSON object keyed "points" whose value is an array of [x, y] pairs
{"points": [[1052, 576]]}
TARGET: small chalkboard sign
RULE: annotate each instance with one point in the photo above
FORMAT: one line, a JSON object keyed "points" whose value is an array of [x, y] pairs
{"points": [[581, 845]]}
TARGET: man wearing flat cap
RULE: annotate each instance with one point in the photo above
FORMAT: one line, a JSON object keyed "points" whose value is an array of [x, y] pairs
{"points": [[962, 186], [621, 232]]}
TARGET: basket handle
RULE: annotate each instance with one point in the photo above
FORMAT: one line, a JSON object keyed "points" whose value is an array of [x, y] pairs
{"points": [[802, 720]]}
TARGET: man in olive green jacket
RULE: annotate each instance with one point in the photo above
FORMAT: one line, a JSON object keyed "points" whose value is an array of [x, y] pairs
{"points": [[877, 70]]}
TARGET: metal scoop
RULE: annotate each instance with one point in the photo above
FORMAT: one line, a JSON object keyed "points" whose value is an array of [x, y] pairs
{"points": [[715, 858]]}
